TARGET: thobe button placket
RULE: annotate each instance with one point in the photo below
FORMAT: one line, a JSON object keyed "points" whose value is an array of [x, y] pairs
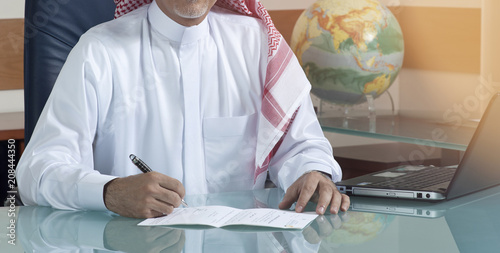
{"points": [[193, 155]]}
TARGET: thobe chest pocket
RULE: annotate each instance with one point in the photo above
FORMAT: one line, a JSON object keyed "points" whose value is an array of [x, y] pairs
{"points": [[230, 152]]}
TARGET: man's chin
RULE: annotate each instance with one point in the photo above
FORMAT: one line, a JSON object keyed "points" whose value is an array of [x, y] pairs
{"points": [[192, 12], [190, 15]]}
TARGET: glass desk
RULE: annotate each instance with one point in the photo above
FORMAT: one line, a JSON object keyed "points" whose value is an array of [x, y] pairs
{"points": [[403, 129], [467, 224]]}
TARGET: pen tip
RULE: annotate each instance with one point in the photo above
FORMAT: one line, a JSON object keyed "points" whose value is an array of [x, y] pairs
{"points": [[132, 156]]}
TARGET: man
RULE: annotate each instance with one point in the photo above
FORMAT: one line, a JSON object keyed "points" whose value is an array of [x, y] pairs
{"points": [[209, 98]]}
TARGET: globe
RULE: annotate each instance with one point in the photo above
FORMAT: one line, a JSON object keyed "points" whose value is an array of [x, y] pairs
{"points": [[348, 49]]}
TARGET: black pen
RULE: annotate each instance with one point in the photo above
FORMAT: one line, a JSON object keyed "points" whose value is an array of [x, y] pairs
{"points": [[145, 169]]}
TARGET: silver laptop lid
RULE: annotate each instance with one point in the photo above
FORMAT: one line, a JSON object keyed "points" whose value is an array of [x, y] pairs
{"points": [[480, 166]]}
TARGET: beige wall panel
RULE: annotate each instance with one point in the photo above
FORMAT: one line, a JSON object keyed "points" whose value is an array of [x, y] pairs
{"points": [[284, 20], [490, 44], [11, 53], [441, 95], [302, 4], [441, 39]]}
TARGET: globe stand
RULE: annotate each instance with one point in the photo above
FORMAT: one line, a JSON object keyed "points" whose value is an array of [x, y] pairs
{"points": [[353, 112], [372, 114]]}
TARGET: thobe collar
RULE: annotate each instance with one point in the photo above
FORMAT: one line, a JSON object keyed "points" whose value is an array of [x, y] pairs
{"points": [[173, 30]]}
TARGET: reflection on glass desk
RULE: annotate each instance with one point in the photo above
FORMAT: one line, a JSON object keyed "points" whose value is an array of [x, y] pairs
{"points": [[468, 224], [403, 129]]}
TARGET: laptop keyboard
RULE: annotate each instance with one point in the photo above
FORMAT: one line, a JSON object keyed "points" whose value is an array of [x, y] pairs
{"points": [[424, 178]]}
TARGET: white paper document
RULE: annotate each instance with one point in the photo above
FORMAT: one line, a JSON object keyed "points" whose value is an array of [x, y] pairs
{"points": [[220, 216]]}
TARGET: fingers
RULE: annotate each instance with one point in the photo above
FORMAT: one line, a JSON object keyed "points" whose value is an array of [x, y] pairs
{"points": [[143, 196], [339, 201], [171, 184], [165, 193], [346, 203], [301, 192], [306, 192], [324, 200], [331, 196], [290, 197], [286, 203], [165, 189], [317, 188], [159, 209], [336, 201]]}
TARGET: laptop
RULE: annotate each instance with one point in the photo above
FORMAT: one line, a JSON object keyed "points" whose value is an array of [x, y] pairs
{"points": [[423, 209], [479, 169]]}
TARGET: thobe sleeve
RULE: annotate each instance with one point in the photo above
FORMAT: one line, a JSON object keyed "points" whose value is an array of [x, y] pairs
{"points": [[57, 166], [304, 148]]}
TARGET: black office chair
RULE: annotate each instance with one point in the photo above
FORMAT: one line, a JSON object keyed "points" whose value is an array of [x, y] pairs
{"points": [[51, 29]]}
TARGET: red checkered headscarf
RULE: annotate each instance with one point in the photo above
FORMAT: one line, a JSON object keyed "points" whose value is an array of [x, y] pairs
{"points": [[277, 110]]}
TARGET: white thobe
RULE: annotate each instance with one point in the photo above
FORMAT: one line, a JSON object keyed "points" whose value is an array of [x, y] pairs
{"points": [[184, 99]]}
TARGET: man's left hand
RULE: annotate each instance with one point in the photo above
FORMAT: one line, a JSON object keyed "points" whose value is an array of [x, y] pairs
{"points": [[314, 186]]}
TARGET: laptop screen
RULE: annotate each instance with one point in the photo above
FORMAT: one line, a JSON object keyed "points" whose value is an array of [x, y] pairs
{"points": [[480, 166]]}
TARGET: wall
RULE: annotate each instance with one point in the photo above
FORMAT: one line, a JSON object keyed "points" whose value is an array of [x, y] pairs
{"points": [[446, 71], [490, 44], [11, 100]]}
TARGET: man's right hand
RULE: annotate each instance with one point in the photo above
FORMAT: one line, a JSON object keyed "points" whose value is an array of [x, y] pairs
{"points": [[145, 195]]}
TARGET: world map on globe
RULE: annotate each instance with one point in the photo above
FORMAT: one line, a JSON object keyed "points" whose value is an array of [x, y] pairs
{"points": [[348, 49]]}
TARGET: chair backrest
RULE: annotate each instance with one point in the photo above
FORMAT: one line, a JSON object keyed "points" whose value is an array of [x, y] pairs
{"points": [[51, 29]]}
